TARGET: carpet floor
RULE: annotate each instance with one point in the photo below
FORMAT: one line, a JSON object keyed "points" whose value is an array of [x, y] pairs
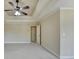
{"points": [[26, 51]]}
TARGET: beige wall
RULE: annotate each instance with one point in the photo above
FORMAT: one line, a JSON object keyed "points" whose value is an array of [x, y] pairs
{"points": [[67, 33], [18, 32], [50, 37]]}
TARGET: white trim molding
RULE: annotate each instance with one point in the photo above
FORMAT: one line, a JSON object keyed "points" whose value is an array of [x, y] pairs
{"points": [[66, 57], [52, 52], [15, 42], [66, 8]]}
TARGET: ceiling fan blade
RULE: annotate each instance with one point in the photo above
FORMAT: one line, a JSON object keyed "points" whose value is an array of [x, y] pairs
{"points": [[26, 7], [11, 3], [8, 10], [24, 13]]}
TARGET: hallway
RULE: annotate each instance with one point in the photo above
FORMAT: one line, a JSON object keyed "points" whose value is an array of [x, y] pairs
{"points": [[26, 51]]}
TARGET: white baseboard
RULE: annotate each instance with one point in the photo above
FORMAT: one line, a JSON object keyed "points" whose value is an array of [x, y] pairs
{"points": [[55, 54], [66, 57], [15, 42], [66, 8], [52, 52]]}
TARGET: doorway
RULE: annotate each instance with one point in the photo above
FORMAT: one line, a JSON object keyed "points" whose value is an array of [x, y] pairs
{"points": [[33, 34], [36, 34]]}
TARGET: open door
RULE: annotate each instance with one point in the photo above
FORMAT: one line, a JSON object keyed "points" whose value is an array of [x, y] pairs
{"points": [[33, 34], [36, 34]]}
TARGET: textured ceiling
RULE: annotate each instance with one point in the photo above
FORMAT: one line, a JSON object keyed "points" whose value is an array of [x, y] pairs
{"points": [[22, 3]]}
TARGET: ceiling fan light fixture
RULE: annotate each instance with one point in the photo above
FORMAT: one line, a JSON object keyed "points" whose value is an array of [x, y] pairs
{"points": [[17, 13]]}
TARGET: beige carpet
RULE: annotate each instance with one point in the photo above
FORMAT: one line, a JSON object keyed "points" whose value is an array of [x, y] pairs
{"points": [[26, 51]]}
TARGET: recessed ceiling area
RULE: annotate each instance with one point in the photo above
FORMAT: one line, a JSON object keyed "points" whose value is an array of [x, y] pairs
{"points": [[37, 8], [22, 3]]}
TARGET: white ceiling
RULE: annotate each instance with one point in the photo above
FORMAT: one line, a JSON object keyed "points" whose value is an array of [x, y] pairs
{"points": [[37, 6], [45, 7], [40, 8]]}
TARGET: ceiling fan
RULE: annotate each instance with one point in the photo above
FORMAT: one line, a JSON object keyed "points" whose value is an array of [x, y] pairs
{"points": [[18, 9]]}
